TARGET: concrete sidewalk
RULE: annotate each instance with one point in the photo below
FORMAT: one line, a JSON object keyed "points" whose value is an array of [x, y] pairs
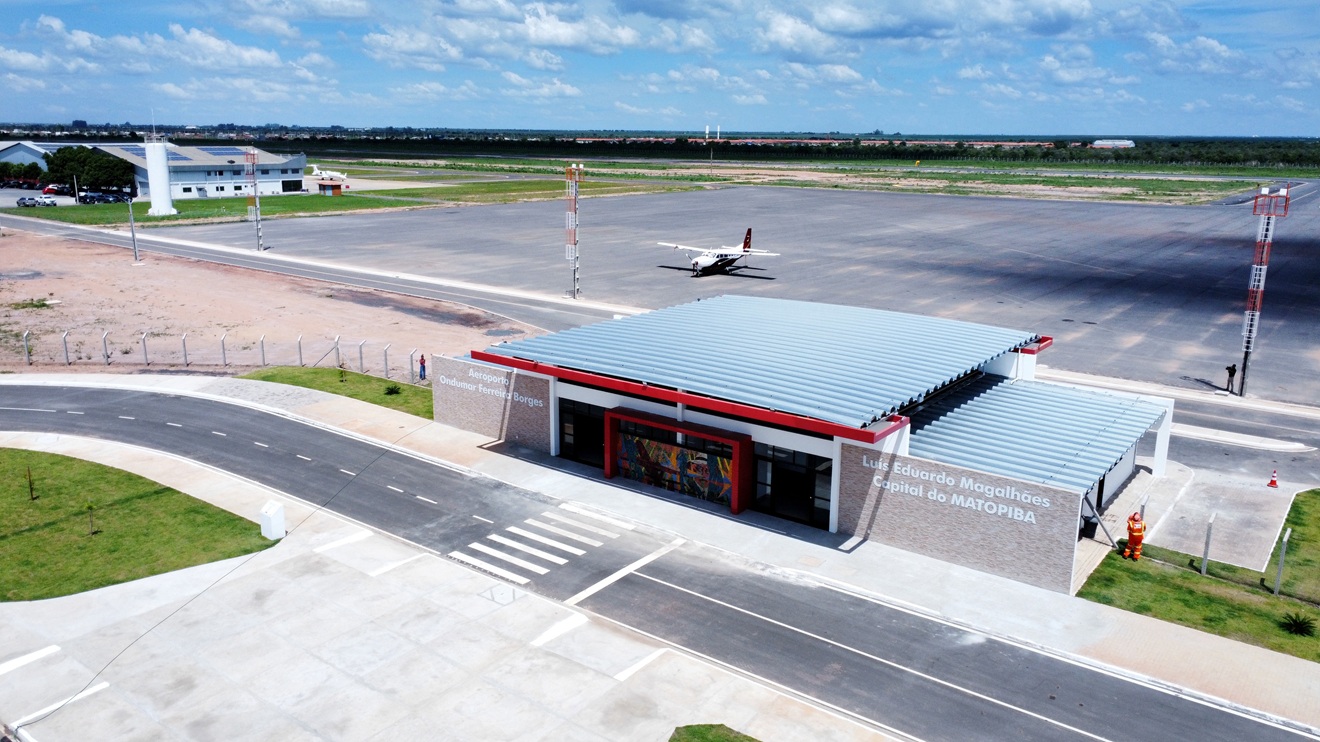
{"points": [[1179, 659]]}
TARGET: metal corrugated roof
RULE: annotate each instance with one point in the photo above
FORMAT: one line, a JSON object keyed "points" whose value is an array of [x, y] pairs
{"points": [[842, 364], [1031, 430]]}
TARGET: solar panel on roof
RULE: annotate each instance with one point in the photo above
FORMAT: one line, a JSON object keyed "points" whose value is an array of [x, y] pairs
{"points": [[134, 149], [224, 151], [175, 156]]}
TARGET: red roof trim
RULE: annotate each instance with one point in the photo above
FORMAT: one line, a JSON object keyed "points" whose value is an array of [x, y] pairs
{"points": [[1032, 349], [775, 417]]}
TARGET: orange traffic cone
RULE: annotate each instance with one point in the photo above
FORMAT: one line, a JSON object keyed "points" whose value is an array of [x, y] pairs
{"points": [[1274, 479]]}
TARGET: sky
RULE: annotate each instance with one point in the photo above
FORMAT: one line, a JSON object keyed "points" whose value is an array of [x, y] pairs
{"points": [[960, 67]]}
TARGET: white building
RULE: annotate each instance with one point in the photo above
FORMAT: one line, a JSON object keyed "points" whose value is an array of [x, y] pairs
{"points": [[213, 171]]}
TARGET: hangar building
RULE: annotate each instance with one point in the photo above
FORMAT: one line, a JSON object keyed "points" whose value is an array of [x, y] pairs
{"points": [[927, 434], [195, 172]]}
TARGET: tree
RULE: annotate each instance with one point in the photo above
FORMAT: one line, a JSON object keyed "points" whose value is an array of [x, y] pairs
{"points": [[92, 167]]}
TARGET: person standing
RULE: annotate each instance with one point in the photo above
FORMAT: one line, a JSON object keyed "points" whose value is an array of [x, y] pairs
{"points": [[422, 363], [1232, 371], [1136, 534]]}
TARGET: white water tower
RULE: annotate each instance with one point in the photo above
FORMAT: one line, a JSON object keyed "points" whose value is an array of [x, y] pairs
{"points": [[158, 176]]}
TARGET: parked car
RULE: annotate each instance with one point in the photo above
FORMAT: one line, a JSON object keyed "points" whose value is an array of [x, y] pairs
{"points": [[27, 201], [45, 201], [55, 189]]}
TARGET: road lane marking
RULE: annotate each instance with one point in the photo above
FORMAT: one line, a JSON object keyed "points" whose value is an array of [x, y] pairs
{"points": [[628, 672], [26, 409], [304, 458], [216, 432], [484, 549], [565, 534], [71, 412], [491, 568], [392, 487], [577, 524], [425, 499], [880, 660], [520, 546], [259, 443], [38, 714], [126, 417], [174, 425], [349, 473], [377, 572], [603, 519], [18, 662], [559, 629], [483, 520], [354, 538], [547, 541], [625, 571]]}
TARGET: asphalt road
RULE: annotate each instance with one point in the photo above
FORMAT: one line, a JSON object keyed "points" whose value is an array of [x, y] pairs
{"points": [[896, 669]]}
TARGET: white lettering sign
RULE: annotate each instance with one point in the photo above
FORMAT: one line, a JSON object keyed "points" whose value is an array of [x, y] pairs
{"points": [[983, 502]]}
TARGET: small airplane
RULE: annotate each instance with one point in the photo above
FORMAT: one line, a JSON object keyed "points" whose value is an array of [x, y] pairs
{"points": [[327, 174], [716, 259]]}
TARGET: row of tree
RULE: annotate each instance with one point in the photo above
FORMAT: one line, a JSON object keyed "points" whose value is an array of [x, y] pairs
{"points": [[89, 168]]}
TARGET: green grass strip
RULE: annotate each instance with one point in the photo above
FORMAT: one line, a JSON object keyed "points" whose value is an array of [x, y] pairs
{"points": [[708, 733], [142, 528], [414, 400]]}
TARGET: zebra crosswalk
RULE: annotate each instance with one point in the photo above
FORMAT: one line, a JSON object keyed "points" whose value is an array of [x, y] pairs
{"points": [[539, 544]]}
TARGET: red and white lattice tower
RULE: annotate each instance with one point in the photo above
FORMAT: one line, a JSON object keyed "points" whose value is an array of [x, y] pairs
{"points": [[572, 176], [1268, 206], [254, 201]]}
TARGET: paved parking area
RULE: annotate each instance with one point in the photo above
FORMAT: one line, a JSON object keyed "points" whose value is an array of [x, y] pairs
{"points": [[1130, 291]]}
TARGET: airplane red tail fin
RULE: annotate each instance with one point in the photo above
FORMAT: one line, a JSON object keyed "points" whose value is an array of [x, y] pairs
{"points": [[747, 241]]}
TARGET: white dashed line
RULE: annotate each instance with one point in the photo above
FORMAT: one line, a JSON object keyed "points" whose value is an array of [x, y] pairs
{"points": [[25, 409], [174, 425], [625, 571], [527, 549], [392, 487], [648, 659], [349, 473], [216, 432], [126, 417], [304, 458], [547, 541], [559, 629], [38, 714], [474, 562], [424, 499], [259, 443], [483, 520], [595, 516], [343, 541], [71, 412], [18, 662], [377, 572]]}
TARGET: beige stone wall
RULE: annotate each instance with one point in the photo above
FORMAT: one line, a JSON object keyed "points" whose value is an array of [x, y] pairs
{"points": [[1023, 531], [501, 403]]}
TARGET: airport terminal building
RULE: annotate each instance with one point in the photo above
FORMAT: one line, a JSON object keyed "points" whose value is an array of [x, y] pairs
{"points": [[926, 434]]}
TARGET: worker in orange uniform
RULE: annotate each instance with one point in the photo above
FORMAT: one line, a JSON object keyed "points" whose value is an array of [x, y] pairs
{"points": [[1136, 534]]}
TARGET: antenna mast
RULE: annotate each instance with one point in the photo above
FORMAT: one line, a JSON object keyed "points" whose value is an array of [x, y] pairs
{"points": [[572, 176], [1267, 206]]}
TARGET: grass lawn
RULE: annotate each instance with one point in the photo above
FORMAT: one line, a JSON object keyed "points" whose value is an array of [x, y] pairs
{"points": [[142, 528], [233, 209], [1230, 601], [502, 191], [414, 400], [708, 733]]}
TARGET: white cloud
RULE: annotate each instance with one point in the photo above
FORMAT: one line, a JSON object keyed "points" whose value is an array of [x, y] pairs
{"points": [[542, 27], [793, 37], [999, 89], [23, 83], [544, 59], [433, 91], [1193, 106], [190, 47], [975, 72], [1201, 55], [525, 88], [268, 25], [755, 99]]}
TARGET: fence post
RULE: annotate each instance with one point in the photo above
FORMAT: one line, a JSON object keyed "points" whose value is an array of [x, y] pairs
{"points": [[65, 339], [1283, 552], [105, 347], [262, 343], [1144, 499], [362, 366], [412, 372], [224, 355], [1205, 557], [27, 351], [300, 362], [338, 361], [385, 354], [145, 362], [185, 350]]}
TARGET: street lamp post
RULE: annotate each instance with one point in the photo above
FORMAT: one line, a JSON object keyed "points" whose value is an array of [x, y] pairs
{"points": [[132, 230]]}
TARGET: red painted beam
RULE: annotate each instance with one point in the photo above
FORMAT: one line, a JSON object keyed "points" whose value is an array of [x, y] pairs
{"points": [[760, 414], [1032, 349]]}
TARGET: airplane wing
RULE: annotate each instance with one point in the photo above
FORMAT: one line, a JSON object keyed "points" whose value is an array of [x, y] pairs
{"points": [[683, 247], [761, 252]]}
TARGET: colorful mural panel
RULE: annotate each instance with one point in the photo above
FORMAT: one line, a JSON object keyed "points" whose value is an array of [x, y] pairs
{"points": [[675, 468]]}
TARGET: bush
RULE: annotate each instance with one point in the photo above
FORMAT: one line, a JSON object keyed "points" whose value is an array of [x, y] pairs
{"points": [[393, 389], [1298, 624]]}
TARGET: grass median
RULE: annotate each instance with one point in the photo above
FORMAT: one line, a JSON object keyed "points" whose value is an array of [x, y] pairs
{"points": [[90, 526], [409, 398], [1229, 601]]}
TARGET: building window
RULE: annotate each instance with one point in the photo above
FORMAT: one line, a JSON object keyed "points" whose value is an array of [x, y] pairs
{"points": [[187, 189], [219, 188], [238, 172], [265, 172], [793, 485]]}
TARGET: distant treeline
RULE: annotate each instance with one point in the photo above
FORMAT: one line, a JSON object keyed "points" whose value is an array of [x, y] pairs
{"points": [[1242, 152]]}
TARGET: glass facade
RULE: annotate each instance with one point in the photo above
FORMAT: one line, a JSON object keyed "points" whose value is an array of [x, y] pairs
{"points": [[792, 484]]}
